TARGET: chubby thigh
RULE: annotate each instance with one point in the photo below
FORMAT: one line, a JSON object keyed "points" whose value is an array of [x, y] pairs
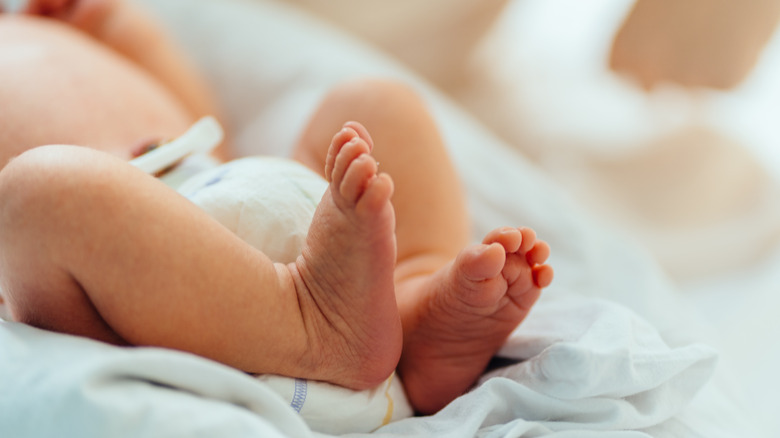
{"points": [[91, 246]]}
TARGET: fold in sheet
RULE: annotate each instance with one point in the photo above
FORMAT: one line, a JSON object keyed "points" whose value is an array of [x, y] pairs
{"points": [[585, 367]]}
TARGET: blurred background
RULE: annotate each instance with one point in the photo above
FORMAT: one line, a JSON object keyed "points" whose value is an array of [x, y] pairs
{"points": [[660, 116]]}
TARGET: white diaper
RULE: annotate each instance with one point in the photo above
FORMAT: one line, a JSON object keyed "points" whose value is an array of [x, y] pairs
{"points": [[270, 203], [267, 202], [336, 410]]}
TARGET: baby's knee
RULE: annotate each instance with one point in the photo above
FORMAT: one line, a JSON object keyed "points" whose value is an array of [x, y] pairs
{"points": [[378, 88], [41, 176], [379, 98], [43, 160]]}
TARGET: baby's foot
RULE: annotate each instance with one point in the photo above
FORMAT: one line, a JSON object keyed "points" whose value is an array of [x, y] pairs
{"points": [[344, 277], [465, 313]]}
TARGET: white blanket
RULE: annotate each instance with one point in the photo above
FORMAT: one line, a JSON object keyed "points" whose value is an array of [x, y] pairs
{"points": [[270, 69], [582, 366]]}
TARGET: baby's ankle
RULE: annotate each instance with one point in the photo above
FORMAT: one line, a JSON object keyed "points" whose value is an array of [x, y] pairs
{"points": [[336, 349]]}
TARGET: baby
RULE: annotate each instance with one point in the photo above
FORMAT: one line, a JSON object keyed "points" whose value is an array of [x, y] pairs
{"points": [[91, 246]]}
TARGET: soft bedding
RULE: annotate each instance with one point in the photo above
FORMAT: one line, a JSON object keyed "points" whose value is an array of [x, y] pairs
{"points": [[605, 372], [610, 350]]}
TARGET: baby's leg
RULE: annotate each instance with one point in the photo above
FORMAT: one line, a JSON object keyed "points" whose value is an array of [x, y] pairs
{"points": [[431, 220], [457, 305], [91, 246]]}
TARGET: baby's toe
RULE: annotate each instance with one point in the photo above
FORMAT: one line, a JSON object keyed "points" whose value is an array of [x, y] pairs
{"points": [[362, 132], [538, 254], [478, 263], [348, 153], [356, 177], [543, 275], [376, 195], [336, 144], [517, 272], [529, 239], [508, 237]]}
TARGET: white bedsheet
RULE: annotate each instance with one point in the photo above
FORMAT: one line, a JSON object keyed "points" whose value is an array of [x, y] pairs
{"points": [[583, 366], [270, 69]]}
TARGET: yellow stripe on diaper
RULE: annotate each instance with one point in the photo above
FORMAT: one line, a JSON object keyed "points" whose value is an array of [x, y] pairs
{"points": [[389, 413]]}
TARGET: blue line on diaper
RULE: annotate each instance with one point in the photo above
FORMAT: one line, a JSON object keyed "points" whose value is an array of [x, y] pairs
{"points": [[299, 396], [217, 178]]}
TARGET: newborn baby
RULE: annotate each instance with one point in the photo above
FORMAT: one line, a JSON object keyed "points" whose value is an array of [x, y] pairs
{"points": [[89, 245]]}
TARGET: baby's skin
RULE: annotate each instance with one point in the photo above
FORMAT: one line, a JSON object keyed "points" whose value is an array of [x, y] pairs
{"points": [[361, 319], [332, 315], [467, 310]]}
